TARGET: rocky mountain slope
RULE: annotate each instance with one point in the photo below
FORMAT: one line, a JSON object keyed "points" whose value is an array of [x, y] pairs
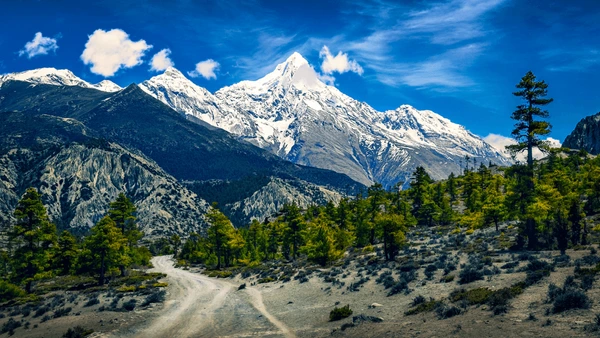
{"points": [[186, 150], [291, 113], [78, 175], [586, 135]]}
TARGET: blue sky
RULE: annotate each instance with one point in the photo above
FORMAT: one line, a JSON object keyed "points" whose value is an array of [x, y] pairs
{"points": [[459, 58]]}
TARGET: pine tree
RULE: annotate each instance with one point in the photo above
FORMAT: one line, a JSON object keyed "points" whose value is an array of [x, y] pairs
{"points": [[218, 232], [34, 238], [391, 229], [526, 133], [320, 243], [527, 129], [122, 211], [494, 209], [104, 248], [66, 253], [294, 224], [176, 242]]}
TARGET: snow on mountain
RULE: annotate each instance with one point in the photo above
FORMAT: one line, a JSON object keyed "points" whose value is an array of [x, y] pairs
{"points": [[174, 89], [328, 129], [57, 77], [293, 114]]}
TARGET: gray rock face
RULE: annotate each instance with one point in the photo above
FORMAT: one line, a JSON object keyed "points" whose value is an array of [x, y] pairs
{"points": [[78, 180], [270, 199], [586, 135]]}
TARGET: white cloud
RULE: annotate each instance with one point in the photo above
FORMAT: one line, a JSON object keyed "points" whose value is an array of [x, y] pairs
{"points": [[206, 69], [109, 51], [339, 63], [499, 142], [161, 61], [327, 79], [40, 45]]}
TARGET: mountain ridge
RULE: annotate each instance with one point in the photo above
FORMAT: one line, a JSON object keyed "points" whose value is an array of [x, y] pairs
{"points": [[291, 113]]}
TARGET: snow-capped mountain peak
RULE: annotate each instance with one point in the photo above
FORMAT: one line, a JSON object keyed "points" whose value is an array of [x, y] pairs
{"points": [[181, 94], [293, 114], [294, 71], [57, 77], [107, 86]]}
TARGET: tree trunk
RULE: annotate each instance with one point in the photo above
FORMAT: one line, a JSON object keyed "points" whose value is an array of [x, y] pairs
{"points": [[496, 222], [532, 242], [102, 258]]}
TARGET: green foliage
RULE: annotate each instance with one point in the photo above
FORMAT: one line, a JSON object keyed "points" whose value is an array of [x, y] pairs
{"points": [[10, 291], [103, 248], [340, 313], [34, 237], [77, 332], [424, 307], [67, 253]]}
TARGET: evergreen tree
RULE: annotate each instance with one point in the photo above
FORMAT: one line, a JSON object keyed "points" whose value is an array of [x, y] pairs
{"points": [[527, 128], [494, 209], [451, 187], [391, 229], [218, 232], [34, 238], [104, 248], [320, 242], [294, 224], [66, 253], [526, 133], [176, 242], [575, 218], [122, 211]]}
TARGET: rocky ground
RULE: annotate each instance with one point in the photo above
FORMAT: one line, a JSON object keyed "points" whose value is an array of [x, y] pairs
{"points": [[464, 285]]}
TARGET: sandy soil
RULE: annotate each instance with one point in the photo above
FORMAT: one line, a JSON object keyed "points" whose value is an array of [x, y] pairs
{"points": [[199, 306]]}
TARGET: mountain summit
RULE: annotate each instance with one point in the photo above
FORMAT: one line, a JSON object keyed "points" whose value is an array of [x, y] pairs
{"points": [[57, 77], [293, 114]]}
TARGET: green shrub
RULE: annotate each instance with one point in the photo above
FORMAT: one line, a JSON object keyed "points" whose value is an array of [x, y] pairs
{"points": [[126, 288], [473, 297], [265, 280], [470, 274], [10, 291], [160, 285], [448, 279], [77, 332], [219, 274], [340, 313], [571, 299], [129, 305], [447, 311], [424, 307]]}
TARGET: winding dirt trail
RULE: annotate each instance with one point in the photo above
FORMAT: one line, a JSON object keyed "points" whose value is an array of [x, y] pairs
{"points": [[199, 306]]}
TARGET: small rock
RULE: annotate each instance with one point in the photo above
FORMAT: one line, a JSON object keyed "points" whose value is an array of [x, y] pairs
{"points": [[374, 305]]}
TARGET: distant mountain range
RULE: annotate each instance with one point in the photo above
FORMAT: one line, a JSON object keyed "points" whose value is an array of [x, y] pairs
{"points": [[586, 135], [291, 113], [170, 136], [168, 146]]}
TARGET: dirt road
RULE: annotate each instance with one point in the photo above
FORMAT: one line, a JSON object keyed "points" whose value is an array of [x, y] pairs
{"points": [[199, 306]]}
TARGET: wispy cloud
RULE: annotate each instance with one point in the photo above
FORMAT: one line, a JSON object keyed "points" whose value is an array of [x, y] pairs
{"points": [[451, 22], [432, 47], [568, 60]]}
